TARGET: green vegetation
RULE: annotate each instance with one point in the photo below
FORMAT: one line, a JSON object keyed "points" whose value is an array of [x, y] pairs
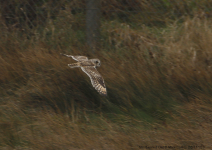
{"points": [[157, 71]]}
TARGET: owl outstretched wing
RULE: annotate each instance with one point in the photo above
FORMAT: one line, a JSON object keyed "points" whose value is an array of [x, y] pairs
{"points": [[96, 79], [77, 58]]}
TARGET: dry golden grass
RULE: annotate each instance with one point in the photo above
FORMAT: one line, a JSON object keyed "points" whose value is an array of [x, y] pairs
{"points": [[159, 90], [48, 130]]}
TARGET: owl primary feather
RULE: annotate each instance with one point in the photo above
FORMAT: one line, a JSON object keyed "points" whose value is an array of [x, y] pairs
{"points": [[89, 67]]}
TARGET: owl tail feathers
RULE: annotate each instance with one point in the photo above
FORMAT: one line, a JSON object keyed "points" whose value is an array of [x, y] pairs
{"points": [[74, 65]]}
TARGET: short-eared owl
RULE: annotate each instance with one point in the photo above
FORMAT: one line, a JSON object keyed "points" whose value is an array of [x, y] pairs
{"points": [[89, 67]]}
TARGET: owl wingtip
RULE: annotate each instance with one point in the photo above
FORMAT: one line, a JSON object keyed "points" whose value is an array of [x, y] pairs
{"points": [[103, 94]]}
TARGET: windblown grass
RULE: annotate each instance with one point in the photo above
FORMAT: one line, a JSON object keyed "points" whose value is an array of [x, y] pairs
{"points": [[159, 88]]}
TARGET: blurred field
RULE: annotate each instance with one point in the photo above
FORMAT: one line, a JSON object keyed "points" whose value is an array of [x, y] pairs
{"points": [[158, 79]]}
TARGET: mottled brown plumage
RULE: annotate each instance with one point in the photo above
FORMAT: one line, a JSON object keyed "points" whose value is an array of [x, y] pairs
{"points": [[89, 67]]}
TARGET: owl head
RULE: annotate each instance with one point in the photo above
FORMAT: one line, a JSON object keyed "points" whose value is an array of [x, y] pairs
{"points": [[96, 62]]}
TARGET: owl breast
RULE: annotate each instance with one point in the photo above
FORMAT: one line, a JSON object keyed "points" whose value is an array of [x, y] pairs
{"points": [[87, 63]]}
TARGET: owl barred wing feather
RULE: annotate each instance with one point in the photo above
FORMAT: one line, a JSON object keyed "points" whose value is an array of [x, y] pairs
{"points": [[77, 58], [74, 65], [96, 79], [80, 58]]}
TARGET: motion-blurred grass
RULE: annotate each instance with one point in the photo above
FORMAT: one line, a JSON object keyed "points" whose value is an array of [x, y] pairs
{"points": [[158, 80]]}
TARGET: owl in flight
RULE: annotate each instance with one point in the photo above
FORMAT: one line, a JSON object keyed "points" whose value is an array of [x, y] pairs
{"points": [[89, 67]]}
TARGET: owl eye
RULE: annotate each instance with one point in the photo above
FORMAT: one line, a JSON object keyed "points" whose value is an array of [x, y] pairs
{"points": [[97, 62]]}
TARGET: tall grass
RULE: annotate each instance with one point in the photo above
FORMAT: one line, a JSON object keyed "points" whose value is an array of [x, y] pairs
{"points": [[158, 80]]}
